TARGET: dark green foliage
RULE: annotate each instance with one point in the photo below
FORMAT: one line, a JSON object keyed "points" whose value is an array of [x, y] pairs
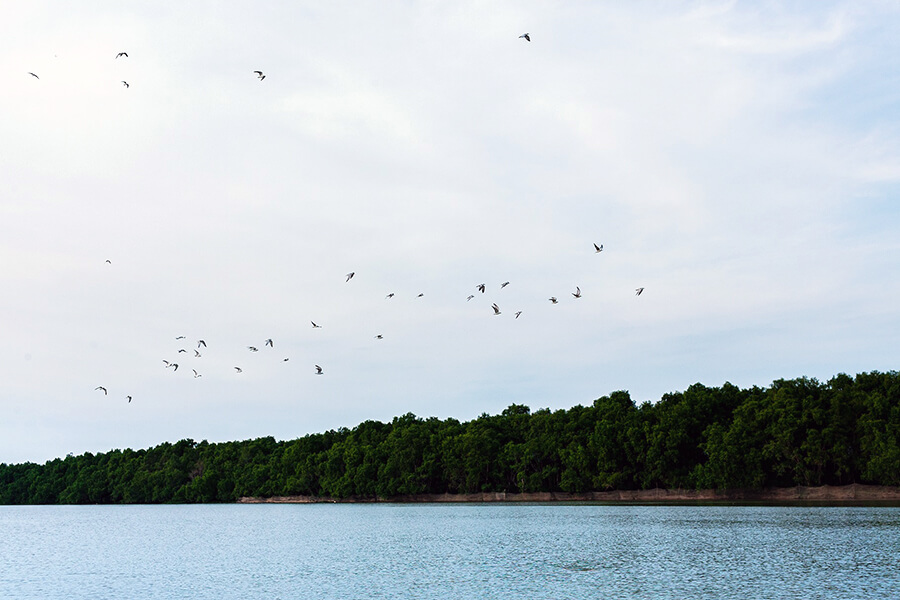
{"points": [[796, 432]]}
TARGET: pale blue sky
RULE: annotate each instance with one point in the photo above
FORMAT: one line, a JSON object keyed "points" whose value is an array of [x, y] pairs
{"points": [[740, 161]]}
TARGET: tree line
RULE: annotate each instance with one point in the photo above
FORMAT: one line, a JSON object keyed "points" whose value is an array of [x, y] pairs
{"points": [[795, 432]]}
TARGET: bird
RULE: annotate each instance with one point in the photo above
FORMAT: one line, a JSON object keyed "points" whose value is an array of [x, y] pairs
{"points": [[518, 313], [196, 374], [259, 75], [197, 354], [598, 248], [553, 299], [239, 370], [180, 350], [638, 291], [100, 387], [125, 54], [201, 343], [504, 284], [174, 366], [128, 398], [350, 276], [391, 295], [315, 326], [379, 337], [33, 75], [125, 83], [420, 295], [480, 287], [496, 309], [167, 363], [286, 359], [269, 343], [180, 337], [109, 262], [469, 297], [577, 292], [526, 36], [252, 348], [319, 370]]}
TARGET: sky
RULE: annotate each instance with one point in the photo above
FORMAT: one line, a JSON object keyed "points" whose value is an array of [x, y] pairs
{"points": [[740, 161]]}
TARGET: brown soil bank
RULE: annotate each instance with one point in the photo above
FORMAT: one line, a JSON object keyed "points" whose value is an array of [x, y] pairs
{"points": [[848, 494]]}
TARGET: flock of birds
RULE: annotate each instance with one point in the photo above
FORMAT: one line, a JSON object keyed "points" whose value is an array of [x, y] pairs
{"points": [[269, 343], [171, 364]]}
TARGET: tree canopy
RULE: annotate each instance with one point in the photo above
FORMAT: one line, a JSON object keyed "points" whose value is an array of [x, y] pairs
{"points": [[795, 432]]}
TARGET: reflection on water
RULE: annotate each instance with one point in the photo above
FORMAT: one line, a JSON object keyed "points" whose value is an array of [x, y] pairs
{"points": [[449, 551]]}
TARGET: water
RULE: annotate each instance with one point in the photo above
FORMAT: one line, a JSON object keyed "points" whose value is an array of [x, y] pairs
{"points": [[448, 552]]}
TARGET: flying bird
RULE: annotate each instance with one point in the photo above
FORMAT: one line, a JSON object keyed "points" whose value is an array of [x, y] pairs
{"points": [[33, 75], [518, 313], [391, 295], [196, 374], [420, 295], [504, 284], [480, 287], [180, 337], [469, 297], [269, 343], [577, 292], [128, 398], [315, 326], [201, 343], [526, 36], [174, 366], [496, 309], [109, 262], [350, 276], [285, 360], [239, 370], [638, 291], [197, 354], [125, 83], [598, 248], [379, 337], [252, 348], [553, 299], [180, 350], [259, 75], [167, 363], [125, 54], [100, 387], [318, 370]]}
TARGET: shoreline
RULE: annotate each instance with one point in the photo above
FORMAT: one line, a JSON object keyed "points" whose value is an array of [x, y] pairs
{"points": [[838, 495]]}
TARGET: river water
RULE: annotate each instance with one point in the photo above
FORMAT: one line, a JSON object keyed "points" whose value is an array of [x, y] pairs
{"points": [[468, 551]]}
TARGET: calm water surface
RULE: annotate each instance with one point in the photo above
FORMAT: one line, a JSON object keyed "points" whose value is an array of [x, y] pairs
{"points": [[448, 551]]}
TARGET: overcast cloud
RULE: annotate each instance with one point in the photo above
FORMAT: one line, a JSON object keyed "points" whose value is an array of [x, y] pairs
{"points": [[739, 161]]}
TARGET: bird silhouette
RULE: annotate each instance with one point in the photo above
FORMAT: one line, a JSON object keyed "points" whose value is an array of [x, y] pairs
{"points": [[518, 313], [496, 309], [577, 292], [269, 343], [201, 343], [480, 287], [526, 36], [180, 337], [469, 297], [315, 326], [128, 398], [196, 374], [379, 337], [391, 295], [350, 276], [33, 75], [638, 291], [125, 83], [197, 354], [504, 284], [319, 370], [100, 387], [597, 248], [252, 348], [125, 54], [553, 299], [239, 370], [259, 75]]}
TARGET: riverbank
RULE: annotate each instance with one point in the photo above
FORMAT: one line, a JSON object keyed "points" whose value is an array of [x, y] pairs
{"points": [[847, 494]]}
